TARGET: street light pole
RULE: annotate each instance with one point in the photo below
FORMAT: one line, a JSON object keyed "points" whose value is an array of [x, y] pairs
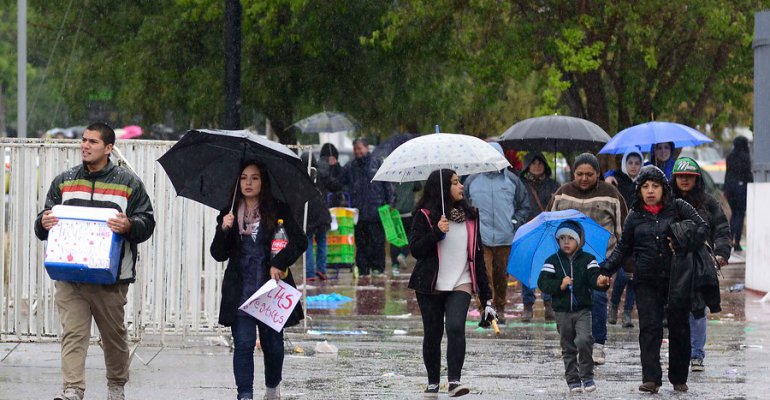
{"points": [[233, 12], [21, 69]]}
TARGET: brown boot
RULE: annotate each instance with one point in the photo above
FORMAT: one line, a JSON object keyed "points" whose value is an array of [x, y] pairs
{"points": [[549, 314], [649, 387], [528, 313]]}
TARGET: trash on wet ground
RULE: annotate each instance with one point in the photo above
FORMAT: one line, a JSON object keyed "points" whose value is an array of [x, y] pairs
{"points": [[736, 288], [401, 316], [327, 301], [325, 348], [330, 332], [751, 346], [731, 372], [399, 332]]}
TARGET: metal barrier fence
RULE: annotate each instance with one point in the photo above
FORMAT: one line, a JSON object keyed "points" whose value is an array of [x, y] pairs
{"points": [[178, 283]]}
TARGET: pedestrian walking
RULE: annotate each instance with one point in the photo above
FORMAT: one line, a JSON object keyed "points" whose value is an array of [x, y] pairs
{"points": [[318, 224], [367, 196], [536, 176], [647, 237], [689, 186], [450, 269], [98, 182], [503, 204], [329, 175], [570, 277], [601, 202], [737, 178], [624, 180], [243, 238]]}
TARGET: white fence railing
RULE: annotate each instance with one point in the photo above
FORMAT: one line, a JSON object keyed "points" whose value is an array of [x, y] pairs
{"points": [[178, 283]]}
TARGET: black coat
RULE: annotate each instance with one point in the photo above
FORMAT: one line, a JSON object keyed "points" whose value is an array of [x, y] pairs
{"points": [[227, 246], [646, 239], [694, 283], [423, 243]]}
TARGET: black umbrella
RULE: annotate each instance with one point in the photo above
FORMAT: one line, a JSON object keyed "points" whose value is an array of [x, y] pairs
{"points": [[385, 148], [327, 122], [204, 166], [554, 132]]}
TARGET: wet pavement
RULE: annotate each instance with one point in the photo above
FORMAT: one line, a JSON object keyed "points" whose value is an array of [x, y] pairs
{"points": [[378, 337]]}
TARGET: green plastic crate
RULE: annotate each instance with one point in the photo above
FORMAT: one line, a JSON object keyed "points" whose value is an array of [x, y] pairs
{"points": [[394, 228]]}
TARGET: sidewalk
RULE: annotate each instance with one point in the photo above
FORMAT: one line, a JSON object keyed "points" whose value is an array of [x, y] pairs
{"points": [[523, 363]]}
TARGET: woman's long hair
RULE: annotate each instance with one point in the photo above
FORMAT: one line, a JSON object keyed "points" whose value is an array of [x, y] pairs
{"points": [[267, 210], [431, 196]]}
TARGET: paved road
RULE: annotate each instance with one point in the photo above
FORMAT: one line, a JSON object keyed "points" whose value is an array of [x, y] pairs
{"points": [[385, 363]]}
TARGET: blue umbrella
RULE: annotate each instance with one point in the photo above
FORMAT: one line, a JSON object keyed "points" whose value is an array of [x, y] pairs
{"points": [[535, 241], [645, 135]]}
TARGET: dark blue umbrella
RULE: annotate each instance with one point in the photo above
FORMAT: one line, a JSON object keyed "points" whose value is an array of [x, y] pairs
{"points": [[535, 241], [645, 135], [385, 148]]}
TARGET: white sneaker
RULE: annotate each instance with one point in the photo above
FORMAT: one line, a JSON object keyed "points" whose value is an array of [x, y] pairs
{"points": [[598, 354], [273, 393]]}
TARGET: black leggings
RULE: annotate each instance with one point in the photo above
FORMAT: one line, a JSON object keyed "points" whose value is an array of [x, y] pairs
{"points": [[433, 307]]}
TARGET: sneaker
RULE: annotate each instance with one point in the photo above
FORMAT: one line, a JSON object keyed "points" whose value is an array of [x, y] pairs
{"points": [[598, 354], [589, 385], [649, 387], [612, 316], [245, 397], [273, 393], [696, 365], [550, 315], [322, 276], [528, 313], [431, 392], [575, 388], [680, 387], [457, 389], [401, 259], [311, 278], [627, 321], [115, 392], [70, 394], [737, 247]]}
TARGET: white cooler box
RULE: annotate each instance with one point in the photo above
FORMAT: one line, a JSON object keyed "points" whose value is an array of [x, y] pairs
{"points": [[81, 247]]}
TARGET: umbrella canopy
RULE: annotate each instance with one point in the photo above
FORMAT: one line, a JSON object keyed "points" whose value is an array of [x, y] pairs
{"points": [[554, 132], [327, 122], [384, 149], [131, 131], [417, 158], [647, 134], [535, 241], [204, 166]]}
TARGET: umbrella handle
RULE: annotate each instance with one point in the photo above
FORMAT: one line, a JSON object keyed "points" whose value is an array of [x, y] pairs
{"points": [[441, 183]]}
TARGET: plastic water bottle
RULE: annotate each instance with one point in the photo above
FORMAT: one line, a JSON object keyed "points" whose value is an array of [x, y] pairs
{"points": [[280, 240]]}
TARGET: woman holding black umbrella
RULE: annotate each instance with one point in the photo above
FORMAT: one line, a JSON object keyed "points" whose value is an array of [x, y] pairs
{"points": [[243, 236]]}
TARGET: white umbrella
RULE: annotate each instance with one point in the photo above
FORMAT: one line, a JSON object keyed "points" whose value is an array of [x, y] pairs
{"points": [[417, 158]]}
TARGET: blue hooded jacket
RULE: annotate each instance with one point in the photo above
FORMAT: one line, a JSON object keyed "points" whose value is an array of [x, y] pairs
{"points": [[503, 203]]}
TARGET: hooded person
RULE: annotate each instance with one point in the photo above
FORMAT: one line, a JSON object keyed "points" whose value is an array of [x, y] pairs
{"points": [[536, 176], [503, 205], [688, 186], [737, 178], [329, 173], [601, 202], [662, 155]]}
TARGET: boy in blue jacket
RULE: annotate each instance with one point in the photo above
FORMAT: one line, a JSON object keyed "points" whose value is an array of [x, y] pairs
{"points": [[569, 276]]}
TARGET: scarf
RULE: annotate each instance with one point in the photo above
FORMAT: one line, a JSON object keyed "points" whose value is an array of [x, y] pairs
{"points": [[653, 209], [248, 219], [457, 215]]}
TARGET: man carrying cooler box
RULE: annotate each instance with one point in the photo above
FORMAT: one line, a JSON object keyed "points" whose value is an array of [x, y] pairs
{"points": [[97, 182]]}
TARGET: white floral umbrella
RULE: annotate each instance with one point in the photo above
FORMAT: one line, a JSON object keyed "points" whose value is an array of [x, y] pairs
{"points": [[417, 158]]}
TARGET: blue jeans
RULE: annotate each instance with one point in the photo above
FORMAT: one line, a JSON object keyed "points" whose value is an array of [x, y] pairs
{"points": [[621, 282], [316, 262], [599, 317], [698, 337], [528, 295], [244, 340]]}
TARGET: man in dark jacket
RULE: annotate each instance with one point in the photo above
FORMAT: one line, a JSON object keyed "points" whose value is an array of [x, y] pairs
{"points": [[329, 174], [536, 176], [97, 182], [737, 178], [318, 223], [367, 196]]}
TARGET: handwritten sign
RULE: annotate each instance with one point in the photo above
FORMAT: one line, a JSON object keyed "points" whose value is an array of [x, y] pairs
{"points": [[272, 303]]}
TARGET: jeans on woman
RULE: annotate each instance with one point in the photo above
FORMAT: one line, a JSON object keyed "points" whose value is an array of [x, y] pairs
{"points": [[698, 337], [245, 339], [621, 282], [434, 308], [315, 262]]}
